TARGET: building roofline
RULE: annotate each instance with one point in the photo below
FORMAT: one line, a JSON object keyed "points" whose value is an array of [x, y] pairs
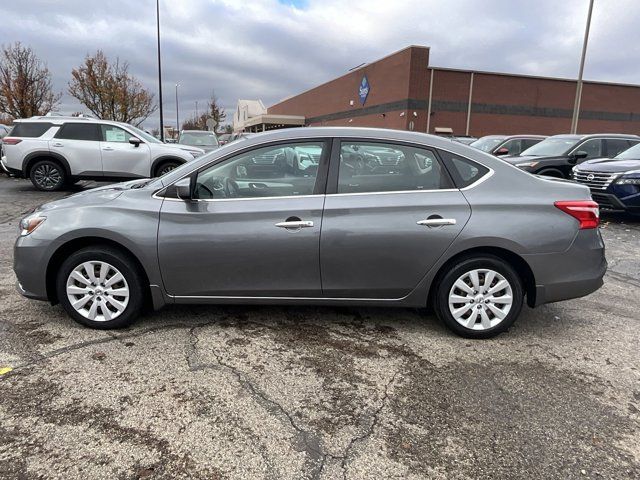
{"points": [[523, 75], [360, 67]]}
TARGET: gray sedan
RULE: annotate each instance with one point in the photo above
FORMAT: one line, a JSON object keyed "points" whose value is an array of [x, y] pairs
{"points": [[301, 216]]}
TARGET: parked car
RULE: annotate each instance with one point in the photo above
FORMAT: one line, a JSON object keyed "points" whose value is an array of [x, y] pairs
{"points": [[464, 139], [556, 155], [512, 145], [4, 131], [203, 139], [614, 183], [54, 151], [463, 232], [224, 138]]}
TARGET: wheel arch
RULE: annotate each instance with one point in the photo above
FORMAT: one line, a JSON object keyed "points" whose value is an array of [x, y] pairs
{"points": [[73, 245], [33, 157], [555, 170], [163, 159], [516, 261]]}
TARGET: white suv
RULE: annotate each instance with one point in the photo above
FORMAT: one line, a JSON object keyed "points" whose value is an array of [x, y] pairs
{"points": [[56, 151]]}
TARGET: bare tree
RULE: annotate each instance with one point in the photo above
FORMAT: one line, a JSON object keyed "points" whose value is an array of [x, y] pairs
{"points": [[214, 111], [26, 88], [109, 91]]}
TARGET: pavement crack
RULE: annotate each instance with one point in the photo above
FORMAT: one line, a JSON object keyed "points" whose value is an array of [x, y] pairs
{"points": [[307, 441]]}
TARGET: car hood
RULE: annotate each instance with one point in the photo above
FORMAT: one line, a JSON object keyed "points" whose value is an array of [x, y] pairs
{"points": [[610, 165], [95, 196], [183, 147], [530, 158]]}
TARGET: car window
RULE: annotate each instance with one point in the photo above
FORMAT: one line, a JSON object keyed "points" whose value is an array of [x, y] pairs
{"points": [[282, 170], [30, 129], [593, 148], [79, 131], [530, 142], [380, 167], [111, 133], [513, 145], [465, 171], [616, 146]]}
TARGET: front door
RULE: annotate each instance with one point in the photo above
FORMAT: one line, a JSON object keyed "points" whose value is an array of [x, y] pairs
{"points": [[120, 158], [394, 213], [252, 228]]}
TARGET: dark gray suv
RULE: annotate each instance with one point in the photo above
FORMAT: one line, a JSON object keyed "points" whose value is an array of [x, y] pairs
{"points": [[325, 216]]}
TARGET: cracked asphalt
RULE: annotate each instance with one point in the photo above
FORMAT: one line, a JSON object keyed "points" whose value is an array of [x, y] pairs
{"points": [[295, 393]]}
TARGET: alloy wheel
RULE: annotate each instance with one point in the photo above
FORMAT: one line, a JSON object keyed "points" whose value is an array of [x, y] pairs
{"points": [[166, 169], [480, 299], [47, 176], [97, 291]]}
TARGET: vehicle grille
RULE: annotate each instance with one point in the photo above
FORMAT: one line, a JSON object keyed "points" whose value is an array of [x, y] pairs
{"points": [[268, 158], [388, 159], [594, 180]]}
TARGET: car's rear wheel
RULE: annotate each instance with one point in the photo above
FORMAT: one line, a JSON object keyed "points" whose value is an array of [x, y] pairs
{"points": [[479, 297], [48, 175], [165, 167], [100, 287]]}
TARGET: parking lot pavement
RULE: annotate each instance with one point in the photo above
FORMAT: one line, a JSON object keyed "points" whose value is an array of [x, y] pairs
{"points": [[268, 392]]}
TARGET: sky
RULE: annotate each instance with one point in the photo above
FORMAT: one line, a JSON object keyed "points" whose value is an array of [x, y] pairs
{"points": [[272, 49]]}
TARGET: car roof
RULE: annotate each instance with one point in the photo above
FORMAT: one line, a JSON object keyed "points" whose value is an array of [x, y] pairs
{"points": [[60, 119], [594, 135]]}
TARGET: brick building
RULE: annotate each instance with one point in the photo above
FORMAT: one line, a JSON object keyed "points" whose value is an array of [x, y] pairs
{"points": [[402, 91]]}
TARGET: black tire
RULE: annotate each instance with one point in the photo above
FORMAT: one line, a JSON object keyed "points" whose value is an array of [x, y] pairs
{"points": [[551, 172], [48, 175], [456, 271], [165, 167], [125, 265]]}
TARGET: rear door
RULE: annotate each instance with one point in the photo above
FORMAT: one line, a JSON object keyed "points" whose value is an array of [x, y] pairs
{"points": [[390, 212], [119, 157], [79, 144]]}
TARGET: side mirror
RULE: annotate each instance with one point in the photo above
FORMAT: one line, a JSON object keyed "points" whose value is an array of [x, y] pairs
{"points": [[580, 154], [183, 188], [135, 141], [502, 151]]}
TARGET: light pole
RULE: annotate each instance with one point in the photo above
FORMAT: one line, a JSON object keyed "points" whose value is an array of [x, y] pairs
{"points": [[159, 71], [177, 112], [576, 105]]}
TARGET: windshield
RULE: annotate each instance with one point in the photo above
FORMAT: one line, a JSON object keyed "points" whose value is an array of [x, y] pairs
{"points": [[552, 146], [632, 153], [198, 139], [486, 144], [142, 133]]}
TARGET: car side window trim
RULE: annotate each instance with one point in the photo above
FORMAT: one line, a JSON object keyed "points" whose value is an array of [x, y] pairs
{"points": [[318, 189], [334, 167]]}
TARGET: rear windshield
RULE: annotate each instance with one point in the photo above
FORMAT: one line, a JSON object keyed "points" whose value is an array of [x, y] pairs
{"points": [[30, 129]]}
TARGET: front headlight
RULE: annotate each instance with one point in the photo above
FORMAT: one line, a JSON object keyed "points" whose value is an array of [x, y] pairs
{"points": [[29, 224], [527, 164], [628, 181]]}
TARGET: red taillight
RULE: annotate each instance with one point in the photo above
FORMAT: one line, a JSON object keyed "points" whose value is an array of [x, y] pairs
{"points": [[585, 211], [11, 140]]}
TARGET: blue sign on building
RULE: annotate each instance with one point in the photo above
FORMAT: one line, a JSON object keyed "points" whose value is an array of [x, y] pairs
{"points": [[363, 91]]}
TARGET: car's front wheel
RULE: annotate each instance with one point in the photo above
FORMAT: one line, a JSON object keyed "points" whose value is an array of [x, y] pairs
{"points": [[479, 297], [48, 176], [165, 167], [100, 287]]}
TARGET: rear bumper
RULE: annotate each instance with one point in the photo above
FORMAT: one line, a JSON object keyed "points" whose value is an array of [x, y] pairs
{"points": [[574, 273]]}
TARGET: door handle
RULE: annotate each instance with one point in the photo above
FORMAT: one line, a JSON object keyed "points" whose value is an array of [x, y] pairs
{"points": [[58, 144], [108, 149], [295, 224], [437, 222]]}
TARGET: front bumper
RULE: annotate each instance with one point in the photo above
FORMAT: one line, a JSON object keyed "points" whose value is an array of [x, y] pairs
{"points": [[616, 202], [574, 273], [30, 262]]}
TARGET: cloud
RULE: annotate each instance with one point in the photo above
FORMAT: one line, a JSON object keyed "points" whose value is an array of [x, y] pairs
{"points": [[272, 49]]}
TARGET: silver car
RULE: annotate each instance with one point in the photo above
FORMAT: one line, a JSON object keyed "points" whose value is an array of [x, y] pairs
{"points": [[300, 216]]}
